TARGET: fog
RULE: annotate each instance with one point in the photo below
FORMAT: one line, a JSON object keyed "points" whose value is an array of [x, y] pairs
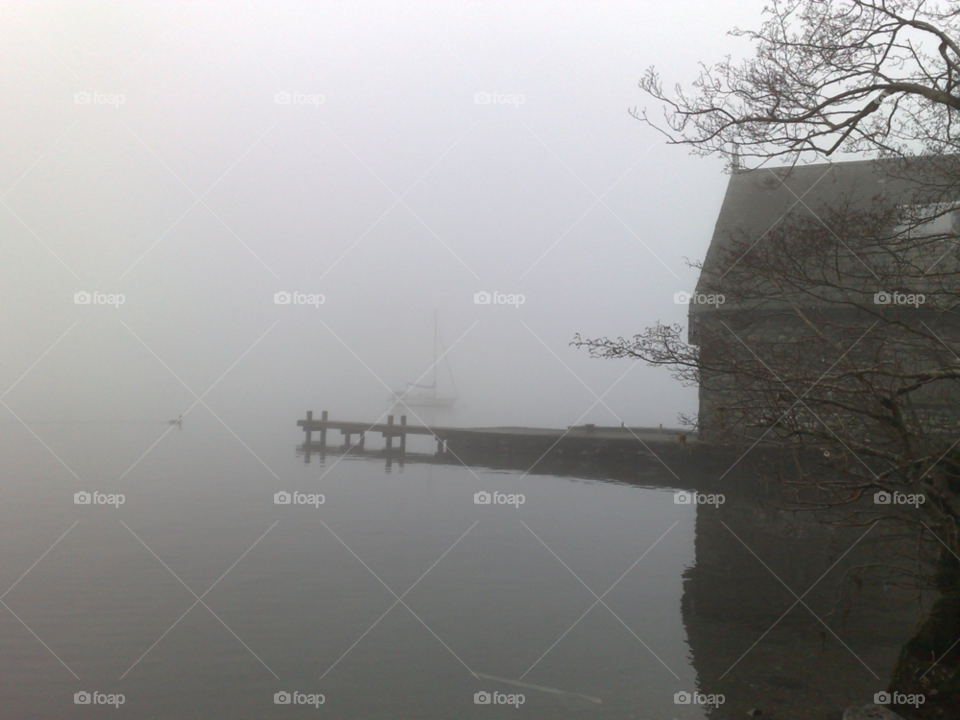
{"points": [[231, 214], [199, 159]]}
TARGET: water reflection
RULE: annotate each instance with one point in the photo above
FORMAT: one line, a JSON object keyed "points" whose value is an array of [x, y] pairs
{"points": [[593, 589], [765, 619], [770, 621]]}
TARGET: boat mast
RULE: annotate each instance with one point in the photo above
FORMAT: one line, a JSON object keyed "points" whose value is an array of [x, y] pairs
{"points": [[435, 352]]}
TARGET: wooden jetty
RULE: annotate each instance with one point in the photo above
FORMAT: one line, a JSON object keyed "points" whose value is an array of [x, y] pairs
{"points": [[389, 430], [578, 445]]}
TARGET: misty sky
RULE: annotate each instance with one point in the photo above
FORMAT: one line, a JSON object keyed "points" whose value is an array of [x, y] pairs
{"points": [[148, 151]]}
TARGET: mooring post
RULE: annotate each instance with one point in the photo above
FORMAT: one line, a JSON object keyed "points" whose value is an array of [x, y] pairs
{"points": [[346, 440], [403, 435], [323, 430], [306, 428], [389, 434], [363, 436]]}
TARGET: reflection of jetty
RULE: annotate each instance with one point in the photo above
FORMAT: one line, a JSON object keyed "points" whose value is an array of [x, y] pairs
{"points": [[578, 446]]}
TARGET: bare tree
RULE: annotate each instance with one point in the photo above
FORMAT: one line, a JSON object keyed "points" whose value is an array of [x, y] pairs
{"points": [[806, 358], [828, 75]]}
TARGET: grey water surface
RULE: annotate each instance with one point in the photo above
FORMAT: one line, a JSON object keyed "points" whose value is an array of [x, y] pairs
{"points": [[305, 597], [398, 596]]}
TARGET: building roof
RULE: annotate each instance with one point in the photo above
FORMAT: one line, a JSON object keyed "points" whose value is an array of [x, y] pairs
{"points": [[757, 200]]}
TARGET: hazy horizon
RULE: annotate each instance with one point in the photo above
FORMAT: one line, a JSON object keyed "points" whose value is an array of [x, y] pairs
{"points": [[189, 187]]}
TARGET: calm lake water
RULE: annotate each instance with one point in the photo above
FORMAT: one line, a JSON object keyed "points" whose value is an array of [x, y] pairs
{"points": [[304, 599]]}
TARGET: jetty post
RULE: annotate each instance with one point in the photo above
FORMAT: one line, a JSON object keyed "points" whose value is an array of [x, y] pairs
{"points": [[307, 434], [323, 430], [403, 435], [388, 434]]}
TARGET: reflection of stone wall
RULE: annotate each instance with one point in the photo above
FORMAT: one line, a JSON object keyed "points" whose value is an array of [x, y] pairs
{"points": [[798, 669]]}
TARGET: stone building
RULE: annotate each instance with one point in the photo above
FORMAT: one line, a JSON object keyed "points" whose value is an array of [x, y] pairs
{"points": [[918, 196]]}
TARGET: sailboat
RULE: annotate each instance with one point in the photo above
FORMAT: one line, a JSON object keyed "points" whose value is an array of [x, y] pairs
{"points": [[425, 395]]}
